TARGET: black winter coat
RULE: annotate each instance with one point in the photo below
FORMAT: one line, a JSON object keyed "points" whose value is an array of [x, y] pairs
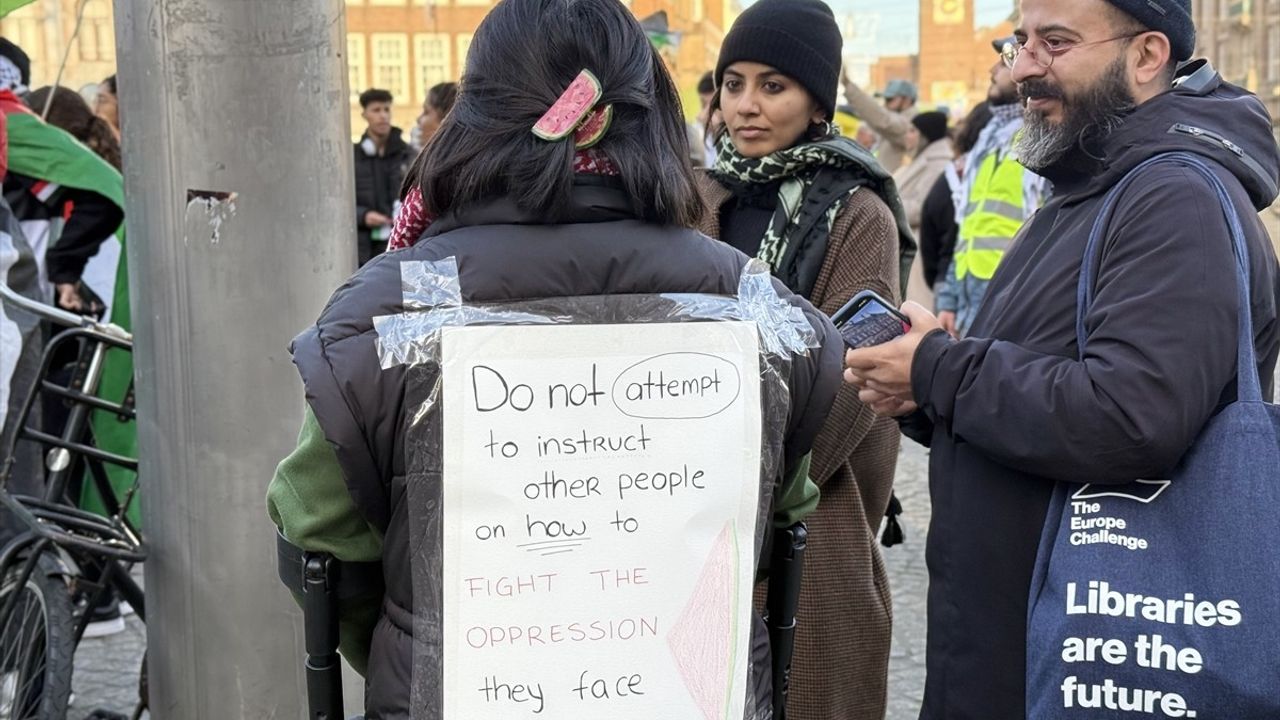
{"points": [[378, 181], [938, 231], [1012, 407], [503, 254]]}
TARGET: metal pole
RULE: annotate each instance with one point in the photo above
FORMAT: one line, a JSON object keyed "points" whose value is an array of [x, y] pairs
{"points": [[240, 222]]}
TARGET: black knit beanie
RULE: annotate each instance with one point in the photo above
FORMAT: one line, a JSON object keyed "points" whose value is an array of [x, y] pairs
{"points": [[1171, 17], [932, 125], [799, 38], [18, 58]]}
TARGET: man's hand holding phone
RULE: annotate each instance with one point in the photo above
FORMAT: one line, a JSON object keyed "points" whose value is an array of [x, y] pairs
{"points": [[868, 319], [882, 372]]}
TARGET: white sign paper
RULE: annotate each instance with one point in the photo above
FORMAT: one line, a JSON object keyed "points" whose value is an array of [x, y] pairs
{"points": [[601, 491]]}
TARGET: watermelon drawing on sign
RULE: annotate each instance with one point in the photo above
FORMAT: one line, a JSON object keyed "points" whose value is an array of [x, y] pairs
{"points": [[702, 638], [571, 109]]}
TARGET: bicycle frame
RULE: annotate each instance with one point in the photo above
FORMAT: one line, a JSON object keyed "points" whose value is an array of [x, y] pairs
{"points": [[108, 543]]}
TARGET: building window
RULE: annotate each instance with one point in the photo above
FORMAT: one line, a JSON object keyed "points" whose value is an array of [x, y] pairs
{"points": [[96, 40], [24, 29], [391, 64], [357, 65], [464, 43], [431, 56]]}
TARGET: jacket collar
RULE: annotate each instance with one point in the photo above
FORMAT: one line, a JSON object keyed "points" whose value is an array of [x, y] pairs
{"points": [[938, 150], [395, 143], [593, 199], [714, 196]]}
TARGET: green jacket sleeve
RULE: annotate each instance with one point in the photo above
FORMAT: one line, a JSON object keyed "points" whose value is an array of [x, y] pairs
{"points": [[798, 496], [308, 501]]}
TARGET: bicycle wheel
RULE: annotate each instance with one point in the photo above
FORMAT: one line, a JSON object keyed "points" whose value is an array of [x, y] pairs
{"points": [[37, 644]]}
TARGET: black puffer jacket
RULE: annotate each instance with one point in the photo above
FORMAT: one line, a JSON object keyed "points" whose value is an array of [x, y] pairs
{"points": [[1012, 407], [503, 254]]}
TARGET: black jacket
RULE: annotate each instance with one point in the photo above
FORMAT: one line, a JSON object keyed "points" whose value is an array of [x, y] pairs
{"points": [[938, 231], [503, 254], [378, 180], [1012, 407], [92, 219]]}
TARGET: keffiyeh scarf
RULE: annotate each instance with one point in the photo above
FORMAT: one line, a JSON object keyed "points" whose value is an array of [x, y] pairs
{"points": [[814, 183]]}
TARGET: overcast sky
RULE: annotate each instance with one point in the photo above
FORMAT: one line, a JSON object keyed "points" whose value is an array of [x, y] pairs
{"points": [[899, 20]]}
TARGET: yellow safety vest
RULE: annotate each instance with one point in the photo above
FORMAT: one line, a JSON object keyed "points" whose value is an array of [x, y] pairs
{"points": [[992, 218]]}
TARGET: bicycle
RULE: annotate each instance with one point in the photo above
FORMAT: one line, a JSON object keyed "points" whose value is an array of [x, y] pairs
{"points": [[53, 573]]}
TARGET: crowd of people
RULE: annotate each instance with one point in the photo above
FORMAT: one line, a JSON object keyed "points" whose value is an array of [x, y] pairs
{"points": [[999, 384], [981, 223]]}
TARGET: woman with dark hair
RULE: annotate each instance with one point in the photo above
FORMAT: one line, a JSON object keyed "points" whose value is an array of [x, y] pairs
{"points": [[826, 217], [440, 99], [107, 105], [527, 215], [70, 112]]}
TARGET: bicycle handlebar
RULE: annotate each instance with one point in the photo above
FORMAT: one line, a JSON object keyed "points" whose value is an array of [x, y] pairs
{"points": [[60, 316]]}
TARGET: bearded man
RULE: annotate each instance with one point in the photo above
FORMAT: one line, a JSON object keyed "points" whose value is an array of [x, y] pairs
{"points": [[1017, 404]]}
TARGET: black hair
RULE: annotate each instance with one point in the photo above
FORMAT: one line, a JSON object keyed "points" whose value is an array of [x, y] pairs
{"points": [[707, 83], [443, 96], [375, 95], [110, 82], [522, 58], [971, 127]]}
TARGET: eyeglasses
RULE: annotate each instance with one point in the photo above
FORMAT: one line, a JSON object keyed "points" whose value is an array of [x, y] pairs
{"points": [[1043, 51]]}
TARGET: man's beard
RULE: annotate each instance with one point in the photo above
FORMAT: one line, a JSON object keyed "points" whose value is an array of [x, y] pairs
{"points": [[997, 95], [1085, 121]]}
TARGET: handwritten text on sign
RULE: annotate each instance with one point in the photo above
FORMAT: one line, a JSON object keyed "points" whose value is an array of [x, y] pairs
{"points": [[601, 489]]}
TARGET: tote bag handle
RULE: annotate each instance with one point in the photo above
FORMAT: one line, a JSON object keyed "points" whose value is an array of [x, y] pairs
{"points": [[1250, 385]]}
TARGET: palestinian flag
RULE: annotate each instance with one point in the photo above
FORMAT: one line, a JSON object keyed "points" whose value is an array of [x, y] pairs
{"points": [[55, 158]]}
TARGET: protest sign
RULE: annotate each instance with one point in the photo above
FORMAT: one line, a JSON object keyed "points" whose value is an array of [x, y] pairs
{"points": [[601, 490]]}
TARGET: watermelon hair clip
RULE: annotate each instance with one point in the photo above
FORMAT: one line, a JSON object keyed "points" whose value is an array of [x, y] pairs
{"points": [[575, 113]]}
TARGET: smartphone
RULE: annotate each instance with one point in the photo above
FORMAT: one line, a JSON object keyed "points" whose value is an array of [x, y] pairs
{"points": [[868, 319]]}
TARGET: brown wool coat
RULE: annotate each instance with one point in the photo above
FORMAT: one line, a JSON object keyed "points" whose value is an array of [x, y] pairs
{"points": [[842, 642]]}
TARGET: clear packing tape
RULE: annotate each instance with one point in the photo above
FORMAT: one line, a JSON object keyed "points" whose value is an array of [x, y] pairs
{"points": [[433, 301], [757, 322]]}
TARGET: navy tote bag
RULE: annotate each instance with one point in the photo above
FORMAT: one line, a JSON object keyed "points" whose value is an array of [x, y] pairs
{"points": [[1161, 598]]}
